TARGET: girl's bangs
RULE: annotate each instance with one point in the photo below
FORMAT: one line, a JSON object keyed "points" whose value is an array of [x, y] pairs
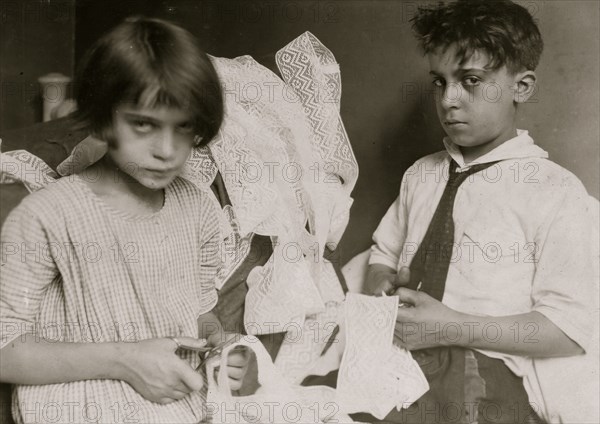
{"points": [[153, 95]]}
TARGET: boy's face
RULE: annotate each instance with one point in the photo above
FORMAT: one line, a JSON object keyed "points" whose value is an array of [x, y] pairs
{"points": [[151, 144], [475, 105]]}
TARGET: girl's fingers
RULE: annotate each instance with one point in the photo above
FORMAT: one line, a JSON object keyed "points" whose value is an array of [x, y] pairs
{"points": [[192, 380], [235, 373], [179, 394], [182, 387], [172, 397], [191, 343], [237, 359], [235, 384]]}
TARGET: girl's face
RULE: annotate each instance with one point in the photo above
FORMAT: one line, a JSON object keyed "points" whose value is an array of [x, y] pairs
{"points": [[151, 144]]}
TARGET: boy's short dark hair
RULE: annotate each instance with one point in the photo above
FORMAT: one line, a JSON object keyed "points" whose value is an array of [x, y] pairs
{"points": [[148, 62], [502, 29]]}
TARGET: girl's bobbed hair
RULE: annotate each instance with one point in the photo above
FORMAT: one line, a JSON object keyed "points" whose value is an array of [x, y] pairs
{"points": [[149, 63]]}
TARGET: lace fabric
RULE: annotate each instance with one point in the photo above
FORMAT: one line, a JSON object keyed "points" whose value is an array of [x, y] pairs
{"points": [[375, 375], [21, 166], [276, 401], [288, 168]]}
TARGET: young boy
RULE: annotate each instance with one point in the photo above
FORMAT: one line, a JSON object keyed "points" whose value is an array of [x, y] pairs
{"points": [[496, 267]]}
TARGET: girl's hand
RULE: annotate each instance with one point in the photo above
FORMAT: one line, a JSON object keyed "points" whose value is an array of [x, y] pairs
{"points": [[153, 369], [237, 360], [426, 323]]}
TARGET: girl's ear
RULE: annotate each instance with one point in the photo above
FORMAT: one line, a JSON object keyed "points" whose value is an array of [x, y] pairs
{"points": [[105, 135], [525, 83]]}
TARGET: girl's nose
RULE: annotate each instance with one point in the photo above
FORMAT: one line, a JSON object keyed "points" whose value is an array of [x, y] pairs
{"points": [[452, 96], [164, 145]]}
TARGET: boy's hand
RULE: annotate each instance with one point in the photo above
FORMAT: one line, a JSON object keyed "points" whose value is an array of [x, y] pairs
{"points": [[388, 283], [237, 360], [425, 323], [153, 369]]}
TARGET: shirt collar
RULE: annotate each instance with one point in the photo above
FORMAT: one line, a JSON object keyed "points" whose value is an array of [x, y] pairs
{"points": [[518, 147]]}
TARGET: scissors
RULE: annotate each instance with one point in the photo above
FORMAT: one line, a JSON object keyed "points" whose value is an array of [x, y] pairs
{"points": [[216, 351]]}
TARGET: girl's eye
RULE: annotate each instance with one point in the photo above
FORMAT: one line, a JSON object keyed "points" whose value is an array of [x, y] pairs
{"points": [[142, 126], [438, 82], [186, 128], [471, 81]]}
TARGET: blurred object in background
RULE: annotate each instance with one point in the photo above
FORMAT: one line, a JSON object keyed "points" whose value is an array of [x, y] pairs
{"points": [[63, 109], [54, 88]]}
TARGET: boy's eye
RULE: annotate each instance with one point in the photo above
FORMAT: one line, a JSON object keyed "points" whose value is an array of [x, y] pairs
{"points": [[142, 126], [438, 82], [471, 81], [186, 128]]}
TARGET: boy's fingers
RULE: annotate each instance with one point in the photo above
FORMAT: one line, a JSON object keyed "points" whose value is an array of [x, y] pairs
{"points": [[398, 340], [384, 288], [407, 295], [403, 276]]}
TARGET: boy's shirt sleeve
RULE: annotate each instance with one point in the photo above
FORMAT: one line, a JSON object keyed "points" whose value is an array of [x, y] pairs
{"points": [[565, 286], [28, 268], [390, 234]]}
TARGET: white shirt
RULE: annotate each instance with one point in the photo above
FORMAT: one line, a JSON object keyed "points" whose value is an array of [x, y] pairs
{"points": [[522, 241]]}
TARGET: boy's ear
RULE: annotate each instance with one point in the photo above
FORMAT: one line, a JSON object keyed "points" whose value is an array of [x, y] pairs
{"points": [[524, 86]]}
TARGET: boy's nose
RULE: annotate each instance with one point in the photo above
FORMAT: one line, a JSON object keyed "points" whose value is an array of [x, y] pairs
{"points": [[452, 96], [164, 145]]}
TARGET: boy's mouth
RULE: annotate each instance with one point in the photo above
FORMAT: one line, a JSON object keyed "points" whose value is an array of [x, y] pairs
{"points": [[451, 123]]}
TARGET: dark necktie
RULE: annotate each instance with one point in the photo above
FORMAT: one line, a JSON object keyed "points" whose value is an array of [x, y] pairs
{"points": [[430, 264]]}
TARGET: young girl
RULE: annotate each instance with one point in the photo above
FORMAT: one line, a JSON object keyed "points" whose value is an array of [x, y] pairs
{"points": [[109, 287]]}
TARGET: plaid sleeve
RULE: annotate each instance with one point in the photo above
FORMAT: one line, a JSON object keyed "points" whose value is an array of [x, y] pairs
{"points": [[28, 268], [209, 257]]}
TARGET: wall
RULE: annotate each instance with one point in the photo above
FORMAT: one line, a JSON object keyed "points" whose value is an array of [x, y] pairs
{"points": [[36, 38], [566, 120], [388, 115]]}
